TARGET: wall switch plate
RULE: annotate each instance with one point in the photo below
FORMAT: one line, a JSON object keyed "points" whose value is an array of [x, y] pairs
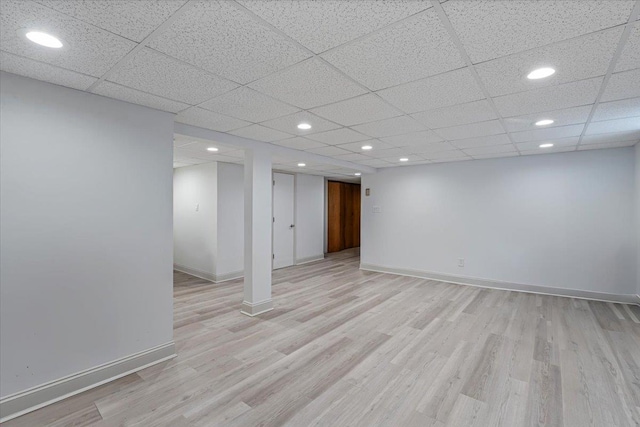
{"points": [[377, 209], [460, 262], [367, 192]]}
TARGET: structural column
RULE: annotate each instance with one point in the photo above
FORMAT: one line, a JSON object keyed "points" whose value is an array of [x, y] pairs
{"points": [[257, 232]]}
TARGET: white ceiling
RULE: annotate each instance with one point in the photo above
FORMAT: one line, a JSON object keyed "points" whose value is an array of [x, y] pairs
{"points": [[428, 80]]}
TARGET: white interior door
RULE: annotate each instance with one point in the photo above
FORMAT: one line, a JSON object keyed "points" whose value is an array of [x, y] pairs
{"points": [[283, 220]]}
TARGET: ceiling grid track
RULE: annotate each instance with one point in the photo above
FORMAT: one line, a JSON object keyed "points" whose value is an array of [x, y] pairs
{"points": [[470, 66], [612, 66]]}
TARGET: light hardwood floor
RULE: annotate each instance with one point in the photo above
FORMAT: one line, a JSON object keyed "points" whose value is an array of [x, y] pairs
{"points": [[345, 347]]}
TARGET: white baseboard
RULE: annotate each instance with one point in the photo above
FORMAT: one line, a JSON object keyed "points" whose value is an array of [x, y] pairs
{"points": [[20, 403], [508, 286], [216, 278], [308, 259], [253, 309]]}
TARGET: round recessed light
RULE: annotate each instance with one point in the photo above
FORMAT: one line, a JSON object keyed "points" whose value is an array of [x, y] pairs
{"points": [[212, 149], [357, 174], [540, 73], [302, 165], [367, 147], [547, 145], [43, 39], [304, 126], [404, 159], [544, 122]]}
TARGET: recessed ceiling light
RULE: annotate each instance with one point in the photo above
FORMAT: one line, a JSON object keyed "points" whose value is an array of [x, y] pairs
{"points": [[544, 122], [43, 39], [212, 149], [357, 174], [304, 126], [540, 73], [404, 159], [367, 147], [302, 165], [547, 145]]}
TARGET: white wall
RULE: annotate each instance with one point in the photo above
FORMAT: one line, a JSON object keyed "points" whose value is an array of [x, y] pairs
{"points": [[85, 231], [230, 220], [309, 217], [194, 218], [559, 220], [637, 150]]}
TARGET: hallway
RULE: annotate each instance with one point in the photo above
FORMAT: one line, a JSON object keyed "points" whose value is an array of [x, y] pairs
{"points": [[345, 347]]}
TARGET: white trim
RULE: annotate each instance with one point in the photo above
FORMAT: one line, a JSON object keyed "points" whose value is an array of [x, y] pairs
{"points": [[228, 276], [29, 400], [508, 286], [215, 278], [253, 309], [308, 259]]}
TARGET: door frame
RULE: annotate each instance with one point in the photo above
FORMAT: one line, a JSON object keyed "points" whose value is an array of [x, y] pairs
{"points": [[295, 214]]}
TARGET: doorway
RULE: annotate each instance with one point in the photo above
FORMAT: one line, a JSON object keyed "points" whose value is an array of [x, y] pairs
{"points": [[283, 220], [343, 219]]}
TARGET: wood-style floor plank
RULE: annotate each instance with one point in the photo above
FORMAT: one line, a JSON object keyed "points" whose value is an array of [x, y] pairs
{"points": [[345, 347]]}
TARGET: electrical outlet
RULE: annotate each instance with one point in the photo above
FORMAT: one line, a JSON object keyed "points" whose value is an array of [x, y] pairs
{"points": [[460, 262]]}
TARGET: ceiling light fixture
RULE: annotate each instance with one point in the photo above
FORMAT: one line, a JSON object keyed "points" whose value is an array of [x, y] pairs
{"points": [[43, 39], [544, 122], [304, 126], [540, 73], [302, 165], [212, 149], [404, 159], [547, 145], [357, 174], [367, 147]]}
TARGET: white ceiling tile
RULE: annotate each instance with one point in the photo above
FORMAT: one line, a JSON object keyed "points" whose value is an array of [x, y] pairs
{"points": [[629, 124], [416, 48], [455, 87], [493, 149], [470, 112], [134, 20], [431, 147], [290, 123], [122, 93], [299, 143], [328, 151], [491, 127], [329, 23], [412, 159], [607, 145], [557, 144], [87, 49], [45, 72], [573, 60], [617, 109], [389, 153], [547, 133], [564, 117], [199, 147], [154, 72], [608, 138], [260, 133], [338, 136], [389, 127], [374, 163], [196, 116], [180, 165], [247, 104], [308, 84], [412, 139], [552, 98], [482, 141], [630, 57], [446, 156], [365, 108], [495, 155], [353, 157], [622, 85], [190, 161], [356, 147], [222, 39], [542, 151], [491, 29]]}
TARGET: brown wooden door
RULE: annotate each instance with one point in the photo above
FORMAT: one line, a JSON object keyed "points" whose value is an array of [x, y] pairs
{"points": [[343, 221]]}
